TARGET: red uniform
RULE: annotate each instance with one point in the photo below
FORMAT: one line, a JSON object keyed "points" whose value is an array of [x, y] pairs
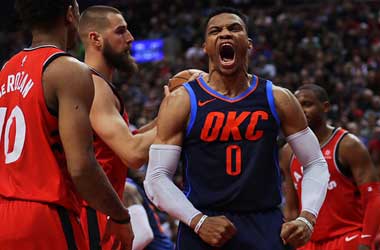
{"points": [[94, 222], [340, 219], [38, 202]]}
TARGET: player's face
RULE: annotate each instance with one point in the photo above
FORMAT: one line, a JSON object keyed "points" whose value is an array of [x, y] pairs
{"points": [[117, 45], [73, 36], [314, 109], [227, 43]]}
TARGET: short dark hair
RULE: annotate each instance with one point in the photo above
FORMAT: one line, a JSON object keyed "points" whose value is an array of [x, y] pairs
{"points": [[96, 15], [41, 13], [224, 9], [95, 18], [319, 92]]}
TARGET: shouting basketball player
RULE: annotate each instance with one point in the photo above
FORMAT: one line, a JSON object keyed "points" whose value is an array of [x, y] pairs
{"points": [[226, 125]]}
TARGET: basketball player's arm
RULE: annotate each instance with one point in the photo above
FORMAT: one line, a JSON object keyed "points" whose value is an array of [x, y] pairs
{"points": [[164, 156], [290, 209], [71, 83], [139, 218], [72, 87], [111, 127], [353, 153], [306, 147]]}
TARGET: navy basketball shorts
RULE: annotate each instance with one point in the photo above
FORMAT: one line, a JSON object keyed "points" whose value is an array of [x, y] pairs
{"points": [[255, 231]]}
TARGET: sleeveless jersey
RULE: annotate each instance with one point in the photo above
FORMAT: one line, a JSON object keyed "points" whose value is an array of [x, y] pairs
{"points": [[230, 154], [342, 210], [112, 165], [32, 161]]}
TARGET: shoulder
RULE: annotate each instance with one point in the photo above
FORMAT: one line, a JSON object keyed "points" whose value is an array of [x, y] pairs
{"points": [[177, 100], [68, 69], [351, 145], [282, 95], [352, 150], [284, 99], [350, 141], [102, 86]]}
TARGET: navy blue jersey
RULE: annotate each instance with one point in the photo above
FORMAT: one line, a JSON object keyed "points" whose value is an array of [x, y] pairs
{"points": [[230, 152]]}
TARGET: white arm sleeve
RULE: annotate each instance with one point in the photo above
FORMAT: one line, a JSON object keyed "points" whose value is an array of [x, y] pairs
{"points": [[316, 176], [159, 187], [141, 228]]}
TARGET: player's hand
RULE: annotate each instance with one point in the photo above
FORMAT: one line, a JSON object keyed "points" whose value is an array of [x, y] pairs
{"points": [[296, 233], [216, 230], [121, 233]]}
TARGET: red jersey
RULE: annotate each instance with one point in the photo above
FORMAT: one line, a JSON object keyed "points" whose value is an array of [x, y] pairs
{"points": [[112, 165], [32, 160], [342, 210]]}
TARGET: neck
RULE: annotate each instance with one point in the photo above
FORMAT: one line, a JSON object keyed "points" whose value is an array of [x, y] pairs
{"points": [[323, 132], [57, 38], [95, 60], [229, 85]]}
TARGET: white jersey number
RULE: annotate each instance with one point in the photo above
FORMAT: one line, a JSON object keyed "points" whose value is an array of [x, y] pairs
{"points": [[18, 117]]}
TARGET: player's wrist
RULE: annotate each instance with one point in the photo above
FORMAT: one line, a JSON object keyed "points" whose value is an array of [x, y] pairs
{"points": [[195, 220], [200, 223], [125, 219], [311, 218]]}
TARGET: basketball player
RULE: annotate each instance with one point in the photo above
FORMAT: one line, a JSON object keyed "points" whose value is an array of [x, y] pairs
{"points": [[227, 123], [107, 42], [47, 157], [350, 216]]}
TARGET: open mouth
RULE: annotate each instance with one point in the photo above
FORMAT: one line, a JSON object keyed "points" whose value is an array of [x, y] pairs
{"points": [[227, 54]]}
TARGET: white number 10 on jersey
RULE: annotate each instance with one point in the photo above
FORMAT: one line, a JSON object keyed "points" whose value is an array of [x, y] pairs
{"points": [[19, 140]]}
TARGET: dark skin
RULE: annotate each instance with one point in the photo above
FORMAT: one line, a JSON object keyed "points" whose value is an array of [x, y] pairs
{"points": [[230, 80], [69, 90], [352, 153]]}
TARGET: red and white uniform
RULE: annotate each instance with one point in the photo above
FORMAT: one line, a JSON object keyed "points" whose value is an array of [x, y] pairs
{"points": [[94, 222], [340, 219], [34, 180]]}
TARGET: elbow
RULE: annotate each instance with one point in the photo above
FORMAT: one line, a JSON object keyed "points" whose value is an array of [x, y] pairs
{"points": [[79, 169], [151, 190]]}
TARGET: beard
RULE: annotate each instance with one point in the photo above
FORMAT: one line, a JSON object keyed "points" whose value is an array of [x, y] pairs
{"points": [[122, 61]]}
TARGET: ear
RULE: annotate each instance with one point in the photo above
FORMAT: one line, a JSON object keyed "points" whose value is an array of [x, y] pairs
{"points": [[250, 43], [204, 47], [70, 16], [326, 107], [95, 39]]}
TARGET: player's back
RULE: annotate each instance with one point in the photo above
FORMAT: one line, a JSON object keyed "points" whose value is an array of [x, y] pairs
{"points": [[32, 160], [230, 150], [334, 219]]}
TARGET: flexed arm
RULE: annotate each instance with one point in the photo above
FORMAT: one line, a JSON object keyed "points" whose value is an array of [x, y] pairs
{"points": [[163, 160], [306, 147]]}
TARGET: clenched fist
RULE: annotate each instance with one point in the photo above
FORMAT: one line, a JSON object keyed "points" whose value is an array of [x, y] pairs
{"points": [[216, 230]]}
